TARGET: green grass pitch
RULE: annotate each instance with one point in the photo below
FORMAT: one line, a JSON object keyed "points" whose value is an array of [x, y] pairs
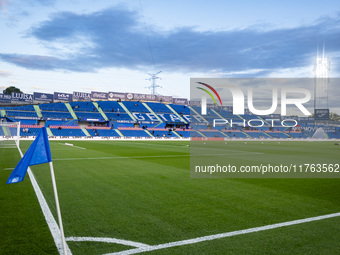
{"points": [[142, 191]]}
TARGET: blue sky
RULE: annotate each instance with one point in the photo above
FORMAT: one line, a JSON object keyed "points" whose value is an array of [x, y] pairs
{"points": [[85, 45]]}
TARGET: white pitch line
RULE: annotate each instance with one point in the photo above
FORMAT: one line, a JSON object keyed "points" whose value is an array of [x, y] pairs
{"points": [[153, 156], [73, 146], [107, 240], [223, 235], [78, 147], [8, 169], [52, 224], [157, 144]]}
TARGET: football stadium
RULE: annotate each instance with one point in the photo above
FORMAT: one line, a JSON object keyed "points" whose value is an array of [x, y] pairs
{"points": [[169, 127], [122, 168]]}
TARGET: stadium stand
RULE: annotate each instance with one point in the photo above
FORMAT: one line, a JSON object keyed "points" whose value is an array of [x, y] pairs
{"points": [[212, 133], [110, 106], [55, 111], [29, 130], [102, 131], [135, 106], [180, 109], [151, 119], [256, 134], [74, 131], [158, 107], [235, 133], [160, 132], [296, 134], [118, 116], [183, 133], [133, 132], [277, 134], [83, 107]]}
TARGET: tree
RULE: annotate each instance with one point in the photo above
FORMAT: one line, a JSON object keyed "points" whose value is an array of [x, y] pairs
{"points": [[9, 90], [333, 116]]}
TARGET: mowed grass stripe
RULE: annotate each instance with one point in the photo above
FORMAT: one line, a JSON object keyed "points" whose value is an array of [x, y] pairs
{"points": [[154, 200], [23, 229]]}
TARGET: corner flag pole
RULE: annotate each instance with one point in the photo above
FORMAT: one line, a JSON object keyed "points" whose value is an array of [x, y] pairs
{"points": [[39, 152], [58, 208]]}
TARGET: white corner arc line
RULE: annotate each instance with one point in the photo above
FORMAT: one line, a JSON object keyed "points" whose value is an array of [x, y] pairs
{"points": [[52, 224], [227, 234], [107, 240]]}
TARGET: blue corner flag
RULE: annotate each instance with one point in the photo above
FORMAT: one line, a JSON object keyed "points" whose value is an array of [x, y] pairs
{"points": [[38, 153]]}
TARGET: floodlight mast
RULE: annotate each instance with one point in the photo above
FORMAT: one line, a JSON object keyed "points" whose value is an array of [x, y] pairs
{"points": [[154, 86], [322, 66]]}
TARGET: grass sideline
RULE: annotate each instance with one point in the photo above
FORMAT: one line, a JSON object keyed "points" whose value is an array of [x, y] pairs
{"points": [[142, 191]]}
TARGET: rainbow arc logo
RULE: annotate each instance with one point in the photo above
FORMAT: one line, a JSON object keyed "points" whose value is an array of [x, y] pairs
{"points": [[209, 93], [204, 100]]}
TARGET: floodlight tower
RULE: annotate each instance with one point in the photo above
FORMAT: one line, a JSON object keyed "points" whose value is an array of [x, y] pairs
{"points": [[322, 66], [153, 86]]}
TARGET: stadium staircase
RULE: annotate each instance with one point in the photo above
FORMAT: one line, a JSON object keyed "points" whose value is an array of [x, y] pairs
{"points": [[203, 135], [192, 109], [119, 133], [309, 136], [150, 110], [268, 135], [38, 111], [173, 131], [223, 134], [219, 115], [155, 126], [5, 131], [3, 113], [69, 107], [240, 117], [49, 132], [226, 135], [176, 113], [127, 111], [101, 111], [248, 136], [85, 131], [149, 133]]}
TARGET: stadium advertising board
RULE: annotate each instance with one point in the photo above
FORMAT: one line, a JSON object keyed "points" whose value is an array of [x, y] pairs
{"points": [[81, 96], [117, 96], [141, 97], [42, 97], [62, 97], [180, 101], [93, 120], [195, 103], [99, 95], [164, 99], [6, 99], [55, 118], [21, 98], [321, 114]]}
